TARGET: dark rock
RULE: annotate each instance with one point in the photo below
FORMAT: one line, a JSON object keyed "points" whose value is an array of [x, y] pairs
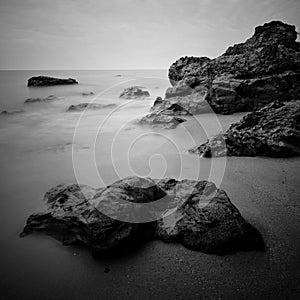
{"points": [[48, 81], [41, 100], [106, 270], [247, 76], [273, 130], [88, 106], [118, 75], [87, 94], [161, 120], [134, 93], [194, 213]]}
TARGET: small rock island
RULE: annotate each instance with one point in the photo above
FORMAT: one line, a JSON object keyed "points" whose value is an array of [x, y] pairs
{"points": [[49, 81]]}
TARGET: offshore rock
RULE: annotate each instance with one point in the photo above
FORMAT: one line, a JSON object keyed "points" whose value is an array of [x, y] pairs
{"points": [[49, 81], [88, 106], [42, 100], [134, 92]]}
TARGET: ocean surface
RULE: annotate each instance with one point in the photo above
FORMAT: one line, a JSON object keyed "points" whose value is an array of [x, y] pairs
{"points": [[42, 145]]}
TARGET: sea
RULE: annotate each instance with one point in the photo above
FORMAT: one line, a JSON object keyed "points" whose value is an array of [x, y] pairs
{"points": [[43, 145]]}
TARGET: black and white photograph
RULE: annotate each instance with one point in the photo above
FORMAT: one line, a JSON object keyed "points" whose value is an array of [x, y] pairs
{"points": [[149, 149]]}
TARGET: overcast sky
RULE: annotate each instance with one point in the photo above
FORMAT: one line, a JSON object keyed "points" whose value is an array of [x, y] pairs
{"points": [[127, 34]]}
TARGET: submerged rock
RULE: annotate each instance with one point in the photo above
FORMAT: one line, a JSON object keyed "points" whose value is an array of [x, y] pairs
{"points": [[249, 75], [161, 120], [49, 81], [134, 93], [40, 100], [273, 130], [193, 213], [88, 106], [11, 113]]}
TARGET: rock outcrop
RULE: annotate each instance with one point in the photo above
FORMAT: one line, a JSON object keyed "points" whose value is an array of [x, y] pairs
{"points": [[193, 213], [88, 106], [134, 92], [49, 81], [273, 130], [247, 76], [42, 100]]}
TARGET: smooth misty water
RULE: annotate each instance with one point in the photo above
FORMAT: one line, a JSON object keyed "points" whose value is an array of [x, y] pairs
{"points": [[44, 146]]}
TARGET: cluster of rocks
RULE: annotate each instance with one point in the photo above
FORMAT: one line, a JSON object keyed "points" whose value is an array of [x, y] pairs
{"points": [[49, 81], [273, 130], [193, 213], [134, 92], [247, 76], [88, 106]]}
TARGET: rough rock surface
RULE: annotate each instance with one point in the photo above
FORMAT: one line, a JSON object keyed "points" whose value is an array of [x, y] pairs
{"points": [[273, 130], [88, 106], [48, 81], [249, 75], [134, 92], [194, 213], [40, 100]]}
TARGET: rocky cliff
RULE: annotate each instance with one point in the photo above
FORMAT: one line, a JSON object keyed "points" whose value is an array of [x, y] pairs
{"points": [[247, 76]]}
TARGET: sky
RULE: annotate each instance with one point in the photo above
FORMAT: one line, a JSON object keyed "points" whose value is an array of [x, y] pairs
{"points": [[128, 34]]}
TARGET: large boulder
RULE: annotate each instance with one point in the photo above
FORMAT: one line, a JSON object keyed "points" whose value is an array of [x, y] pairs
{"points": [[134, 210], [48, 81], [247, 76], [134, 92], [273, 130]]}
